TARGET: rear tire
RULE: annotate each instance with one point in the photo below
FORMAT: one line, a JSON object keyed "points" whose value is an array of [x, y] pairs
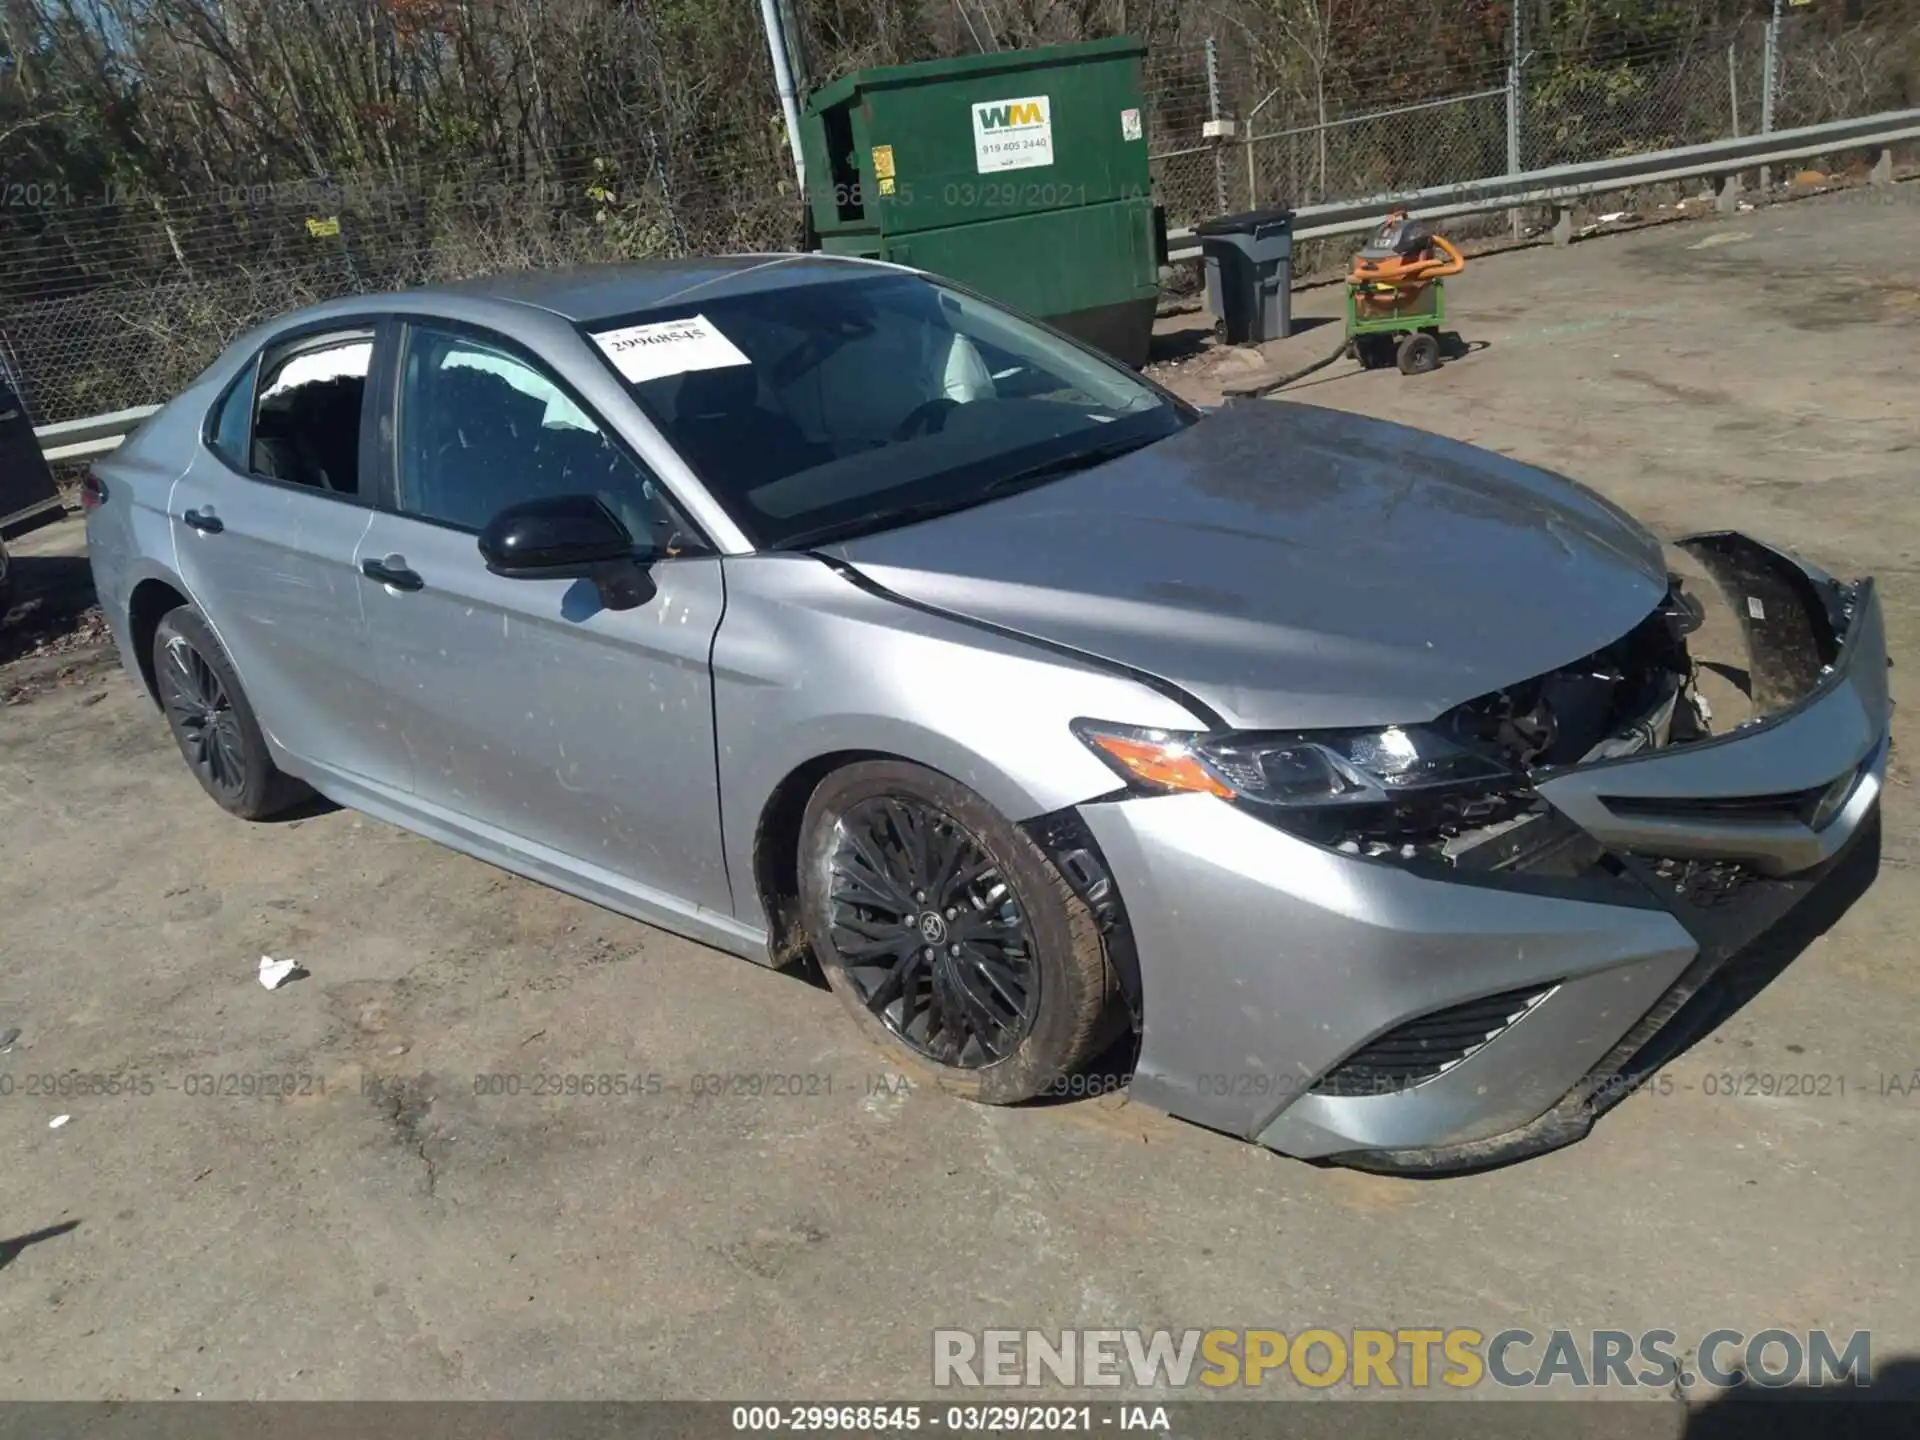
{"points": [[1419, 353], [213, 722], [950, 937]]}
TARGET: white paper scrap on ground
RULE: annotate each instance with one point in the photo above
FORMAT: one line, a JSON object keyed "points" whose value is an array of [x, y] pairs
{"points": [[58, 1121], [668, 347], [275, 973]]}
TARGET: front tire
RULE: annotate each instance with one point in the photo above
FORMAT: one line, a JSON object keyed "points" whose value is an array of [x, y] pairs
{"points": [[213, 722], [952, 940]]}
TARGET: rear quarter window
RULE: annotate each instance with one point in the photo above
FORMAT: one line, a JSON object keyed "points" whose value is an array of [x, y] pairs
{"points": [[228, 423]]}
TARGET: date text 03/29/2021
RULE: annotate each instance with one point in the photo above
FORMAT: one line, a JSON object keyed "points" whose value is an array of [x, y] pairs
{"points": [[889, 1419]]}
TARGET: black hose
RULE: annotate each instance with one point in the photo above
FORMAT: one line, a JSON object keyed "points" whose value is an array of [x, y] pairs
{"points": [[1267, 387]]}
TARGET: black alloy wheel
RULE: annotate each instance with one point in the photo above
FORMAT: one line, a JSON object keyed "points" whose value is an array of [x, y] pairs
{"points": [[953, 941], [213, 722], [930, 934], [201, 712]]}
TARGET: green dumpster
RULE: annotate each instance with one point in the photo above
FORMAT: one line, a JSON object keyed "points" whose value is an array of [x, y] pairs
{"points": [[1022, 174]]}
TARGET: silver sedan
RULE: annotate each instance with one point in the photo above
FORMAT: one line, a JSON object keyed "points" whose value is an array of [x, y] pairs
{"points": [[816, 607]]}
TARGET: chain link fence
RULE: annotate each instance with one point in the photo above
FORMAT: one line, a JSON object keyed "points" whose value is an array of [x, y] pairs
{"points": [[1308, 133], [120, 300], [114, 300]]}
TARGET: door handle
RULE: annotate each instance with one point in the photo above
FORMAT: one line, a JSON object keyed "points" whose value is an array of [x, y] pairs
{"points": [[392, 571], [205, 521]]}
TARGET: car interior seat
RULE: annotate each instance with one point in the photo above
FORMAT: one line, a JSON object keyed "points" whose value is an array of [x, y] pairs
{"points": [[728, 436], [310, 435]]}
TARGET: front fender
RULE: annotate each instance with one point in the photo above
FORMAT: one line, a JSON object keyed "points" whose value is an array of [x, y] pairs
{"points": [[806, 664]]}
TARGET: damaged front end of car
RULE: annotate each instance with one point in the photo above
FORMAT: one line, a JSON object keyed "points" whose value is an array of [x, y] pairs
{"points": [[1700, 669], [1725, 791], [1548, 775], [1539, 882]]}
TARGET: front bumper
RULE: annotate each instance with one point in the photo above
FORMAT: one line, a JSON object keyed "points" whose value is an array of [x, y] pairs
{"points": [[1267, 964]]}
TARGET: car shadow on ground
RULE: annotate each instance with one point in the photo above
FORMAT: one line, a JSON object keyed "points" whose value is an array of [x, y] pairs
{"points": [[311, 808], [1887, 1408], [1766, 957]]}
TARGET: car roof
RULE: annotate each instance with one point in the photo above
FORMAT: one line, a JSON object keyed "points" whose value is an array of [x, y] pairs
{"points": [[590, 293]]}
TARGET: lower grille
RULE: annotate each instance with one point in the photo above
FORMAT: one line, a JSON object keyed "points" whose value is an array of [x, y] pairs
{"points": [[1421, 1049], [1705, 883]]}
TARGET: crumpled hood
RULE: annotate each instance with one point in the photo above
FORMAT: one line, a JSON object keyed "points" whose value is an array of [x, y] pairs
{"points": [[1294, 566]]}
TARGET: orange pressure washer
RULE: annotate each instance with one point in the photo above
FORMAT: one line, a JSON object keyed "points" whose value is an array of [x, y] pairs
{"points": [[1396, 303]]}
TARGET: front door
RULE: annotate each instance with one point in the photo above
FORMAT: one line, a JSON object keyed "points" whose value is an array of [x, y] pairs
{"points": [[529, 711]]}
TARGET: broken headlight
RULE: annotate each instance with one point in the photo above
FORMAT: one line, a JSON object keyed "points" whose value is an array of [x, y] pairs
{"points": [[1404, 788]]}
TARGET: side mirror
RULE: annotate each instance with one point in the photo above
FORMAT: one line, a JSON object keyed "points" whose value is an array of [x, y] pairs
{"points": [[568, 537]]}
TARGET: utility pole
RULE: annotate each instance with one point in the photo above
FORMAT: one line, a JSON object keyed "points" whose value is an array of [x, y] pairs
{"points": [[783, 81], [799, 63], [1516, 97], [1733, 85], [1769, 80], [1213, 113]]}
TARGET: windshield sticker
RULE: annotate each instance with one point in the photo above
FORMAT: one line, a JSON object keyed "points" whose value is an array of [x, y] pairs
{"points": [[1013, 134], [668, 347]]}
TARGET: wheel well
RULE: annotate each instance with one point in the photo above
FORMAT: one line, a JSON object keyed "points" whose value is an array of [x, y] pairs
{"points": [[776, 850], [151, 600], [1063, 836]]}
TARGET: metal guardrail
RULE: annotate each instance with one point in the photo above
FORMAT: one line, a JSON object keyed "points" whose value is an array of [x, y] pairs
{"points": [[85, 439], [1559, 184], [100, 434]]}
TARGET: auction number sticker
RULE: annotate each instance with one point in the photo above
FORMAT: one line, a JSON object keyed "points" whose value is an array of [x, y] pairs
{"points": [[668, 347]]}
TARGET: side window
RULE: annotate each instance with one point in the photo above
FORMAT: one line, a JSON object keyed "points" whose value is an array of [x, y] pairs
{"points": [[482, 429], [306, 422], [231, 419]]}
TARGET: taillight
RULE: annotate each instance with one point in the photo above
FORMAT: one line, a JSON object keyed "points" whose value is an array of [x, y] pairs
{"points": [[93, 492]]}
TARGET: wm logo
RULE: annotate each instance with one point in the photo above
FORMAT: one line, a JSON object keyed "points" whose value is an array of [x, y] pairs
{"points": [[1014, 112]]}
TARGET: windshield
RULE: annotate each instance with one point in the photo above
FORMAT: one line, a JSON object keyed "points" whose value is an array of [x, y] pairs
{"points": [[838, 407]]}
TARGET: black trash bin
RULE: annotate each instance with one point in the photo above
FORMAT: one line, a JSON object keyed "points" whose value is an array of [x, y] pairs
{"points": [[1250, 274]]}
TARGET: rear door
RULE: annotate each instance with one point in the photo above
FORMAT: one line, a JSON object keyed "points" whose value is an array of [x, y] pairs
{"points": [[529, 710], [266, 521]]}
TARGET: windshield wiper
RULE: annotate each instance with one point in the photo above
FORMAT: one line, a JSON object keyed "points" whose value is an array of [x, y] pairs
{"points": [[1032, 475], [875, 519], [1067, 464]]}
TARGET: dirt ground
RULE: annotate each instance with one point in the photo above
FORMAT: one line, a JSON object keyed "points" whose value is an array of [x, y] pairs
{"points": [[386, 1231]]}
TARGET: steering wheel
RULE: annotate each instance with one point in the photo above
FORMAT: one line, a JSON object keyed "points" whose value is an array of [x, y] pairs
{"points": [[929, 416]]}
